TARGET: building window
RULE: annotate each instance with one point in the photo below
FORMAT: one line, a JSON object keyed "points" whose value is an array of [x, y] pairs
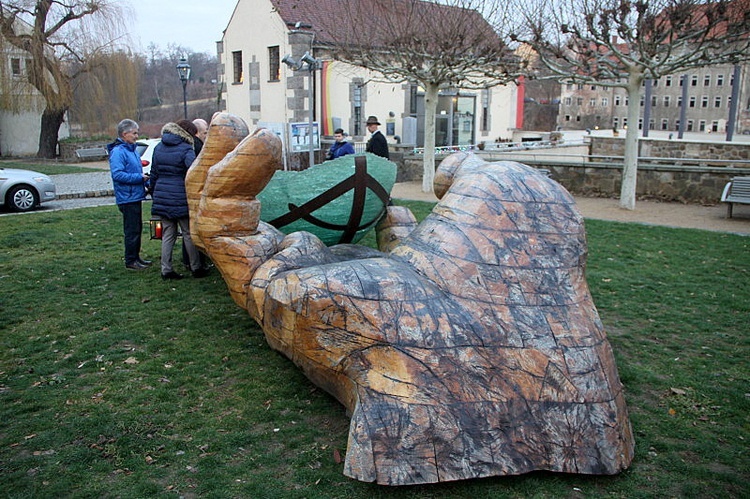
{"points": [[692, 102], [668, 81], [578, 118], [719, 80], [640, 123], [569, 86], [664, 124], [237, 66], [643, 100], [568, 101], [667, 100], [656, 82], [617, 100], [702, 126], [694, 81], [679, 101], [627, 100], [690, 125], [615, 122], [605, 102], [579, 101], [592, 102], [274, 66], [593, 87], [677, 125], [580, 86], [704, 101], [357, 106], [485, 110], [714, 126], [624, 122], [653, 100], [717, 101], [15, 66], [707, 81], [413, 99]]}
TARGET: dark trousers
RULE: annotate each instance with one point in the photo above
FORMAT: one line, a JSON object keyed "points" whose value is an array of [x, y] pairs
{"points": [[132, 227]]}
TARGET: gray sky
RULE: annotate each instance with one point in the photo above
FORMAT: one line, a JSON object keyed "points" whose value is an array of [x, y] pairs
{"points": [[195, 24]]}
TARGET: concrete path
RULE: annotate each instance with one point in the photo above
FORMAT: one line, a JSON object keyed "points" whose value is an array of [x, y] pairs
{"points": [[98, 183]]}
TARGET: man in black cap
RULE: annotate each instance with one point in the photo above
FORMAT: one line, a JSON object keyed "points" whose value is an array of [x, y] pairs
{"points": [[377, 143]]}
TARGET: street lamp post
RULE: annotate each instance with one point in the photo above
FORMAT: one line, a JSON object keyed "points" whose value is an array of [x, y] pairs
{"points": [[183, 69], [309, 63]]}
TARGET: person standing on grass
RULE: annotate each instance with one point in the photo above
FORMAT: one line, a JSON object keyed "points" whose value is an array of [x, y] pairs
{"points": [[200, 136], [129, 183], [172, 158]]}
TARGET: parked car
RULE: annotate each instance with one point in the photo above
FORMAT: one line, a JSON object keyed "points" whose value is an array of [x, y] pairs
{"points": [[24, 190], [145, 149]]}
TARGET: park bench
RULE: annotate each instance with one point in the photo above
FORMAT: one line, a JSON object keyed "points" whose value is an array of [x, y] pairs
{"points": [[736, 191], [91, 152]]}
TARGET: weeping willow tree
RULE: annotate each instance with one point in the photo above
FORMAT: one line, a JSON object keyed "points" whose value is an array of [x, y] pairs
{"points": [[59, 40], [105, 93]]}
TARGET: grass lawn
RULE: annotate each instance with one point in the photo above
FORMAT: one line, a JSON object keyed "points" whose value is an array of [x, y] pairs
{"points": [[118, 384], [49, 168]]}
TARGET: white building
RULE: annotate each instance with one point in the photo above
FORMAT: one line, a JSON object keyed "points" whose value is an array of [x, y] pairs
{"points": [[260, 88], [21, 105]]}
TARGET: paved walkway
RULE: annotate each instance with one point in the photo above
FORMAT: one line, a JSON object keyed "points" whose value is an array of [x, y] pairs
{"points": [[98, 183], [689, 216]]}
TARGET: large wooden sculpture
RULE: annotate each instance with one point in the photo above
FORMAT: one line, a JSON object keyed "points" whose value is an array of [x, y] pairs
{"points": [[471, 349]]}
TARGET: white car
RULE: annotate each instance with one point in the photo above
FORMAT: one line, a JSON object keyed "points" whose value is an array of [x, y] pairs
{"points": [[24, 190], [145, 149]]}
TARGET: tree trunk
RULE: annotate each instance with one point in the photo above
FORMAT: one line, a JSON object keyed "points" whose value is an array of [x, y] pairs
{"points": [[52, 119], [630, 160], [430, 109]]}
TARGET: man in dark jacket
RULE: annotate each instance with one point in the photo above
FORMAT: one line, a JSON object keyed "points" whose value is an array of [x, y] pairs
{"points": [[129, 183], [171, 160], [340, 147], [377, 143]]}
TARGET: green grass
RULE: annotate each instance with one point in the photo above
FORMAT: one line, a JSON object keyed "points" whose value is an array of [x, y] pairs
{"points": [[118, 384], [49, 168]]}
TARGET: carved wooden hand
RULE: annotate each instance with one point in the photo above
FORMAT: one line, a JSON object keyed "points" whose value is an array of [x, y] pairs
{"points": [[471, 349]]}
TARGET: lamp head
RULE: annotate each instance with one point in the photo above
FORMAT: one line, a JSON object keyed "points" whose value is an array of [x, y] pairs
{"points": [[310, 60], [291, 62], [183, 69]]}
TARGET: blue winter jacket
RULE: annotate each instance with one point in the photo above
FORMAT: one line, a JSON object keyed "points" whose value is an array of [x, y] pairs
{"points": [[339, 149], [127, 172], [169, 165]]}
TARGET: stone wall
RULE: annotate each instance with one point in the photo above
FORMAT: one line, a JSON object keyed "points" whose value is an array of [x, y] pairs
{"points": [[699, 178], [68, 151]]}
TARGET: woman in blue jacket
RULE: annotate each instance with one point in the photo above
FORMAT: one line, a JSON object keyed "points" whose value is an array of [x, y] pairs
{"points": [[129, 183], [170, 163]]}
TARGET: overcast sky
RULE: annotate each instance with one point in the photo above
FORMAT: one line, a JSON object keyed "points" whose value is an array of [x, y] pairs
{"points": [[194, 24]]}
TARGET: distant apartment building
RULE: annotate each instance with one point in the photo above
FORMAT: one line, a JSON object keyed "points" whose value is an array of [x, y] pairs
{"points": [[706, 92]]}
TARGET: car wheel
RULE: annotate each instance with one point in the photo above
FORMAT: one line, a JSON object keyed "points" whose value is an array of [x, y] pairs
{"points": [[22, 198]]}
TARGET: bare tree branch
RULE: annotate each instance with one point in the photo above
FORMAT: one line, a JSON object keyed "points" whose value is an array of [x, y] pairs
{"points": [[620, 43]]}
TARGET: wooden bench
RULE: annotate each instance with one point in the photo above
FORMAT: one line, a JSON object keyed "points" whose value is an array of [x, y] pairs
{"points": [[736, 191], [91, 152]]}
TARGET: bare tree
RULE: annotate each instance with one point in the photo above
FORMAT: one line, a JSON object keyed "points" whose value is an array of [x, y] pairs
{"points": [[620, 43], [59, 36], [437, 45]]}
